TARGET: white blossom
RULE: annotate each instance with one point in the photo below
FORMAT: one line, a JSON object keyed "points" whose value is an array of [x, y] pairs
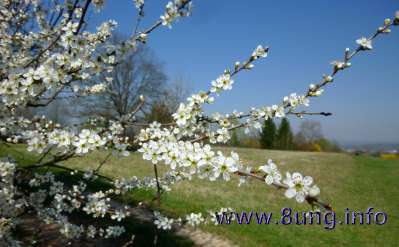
{"points": [[364, 43], [298, 186], [162, 222], [138, 3], [41, 64], [114, 231], [260, 51], [273, 174], [194, 219]]}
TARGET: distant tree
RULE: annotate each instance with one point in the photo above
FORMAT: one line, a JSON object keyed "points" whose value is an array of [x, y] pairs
{"points": [[285, 138], [328, 145], [310, 138], [159, 112], [137, 73], [250, 142], [309, 132], [268, 135], [58, 112], [234, 141], [168, 101], [176, 91]]}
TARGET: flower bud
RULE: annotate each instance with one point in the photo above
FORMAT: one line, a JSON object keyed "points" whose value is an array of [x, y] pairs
{"points": [[249, 66], [396, 20], [142, 37], [328, 78], [237, 65], [386, 30], [347, 54]]}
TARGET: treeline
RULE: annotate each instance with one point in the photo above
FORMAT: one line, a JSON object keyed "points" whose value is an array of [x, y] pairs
{"points": [[281, 137]]}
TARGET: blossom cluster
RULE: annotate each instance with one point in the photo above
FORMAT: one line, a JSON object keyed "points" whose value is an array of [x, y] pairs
{"points": [[191, 219], [188, 159], [11, 202], [175, 9], [55, 56], [189, 116], [138, 3], [52, 199], [165, 223], [297, 185], [25, 83], [46, 135]]}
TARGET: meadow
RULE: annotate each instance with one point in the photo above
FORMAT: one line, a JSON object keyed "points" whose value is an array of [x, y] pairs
{"points": [[346, 181]]}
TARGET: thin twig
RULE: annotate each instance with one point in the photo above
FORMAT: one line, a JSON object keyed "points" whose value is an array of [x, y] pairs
{"points": [[102, 163], [158, 186], [82, 18], [300, 114], [44, 155], [309, 199]]}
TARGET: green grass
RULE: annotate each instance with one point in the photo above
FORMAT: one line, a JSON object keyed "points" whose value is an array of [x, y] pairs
{"points": [[346, 182]]}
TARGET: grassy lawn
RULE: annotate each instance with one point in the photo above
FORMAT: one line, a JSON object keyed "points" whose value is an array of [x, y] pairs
{"points": [[346, 182]]}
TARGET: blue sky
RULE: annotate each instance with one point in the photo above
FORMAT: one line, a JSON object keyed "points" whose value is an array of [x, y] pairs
{"points": [[304, 39]]}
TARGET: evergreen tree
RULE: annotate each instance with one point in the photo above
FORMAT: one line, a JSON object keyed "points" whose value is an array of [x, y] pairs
{"points": [[234, 141], [285, 139], [268, 135]]}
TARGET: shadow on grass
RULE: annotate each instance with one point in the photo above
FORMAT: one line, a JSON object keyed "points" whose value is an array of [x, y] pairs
{"points": [[146, 234]]}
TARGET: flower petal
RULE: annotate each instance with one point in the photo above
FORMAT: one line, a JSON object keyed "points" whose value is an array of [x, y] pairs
{"points": [[308, 180], [269, 179], [290, 192], [314, 191], [297, 177], [300, 196]]}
